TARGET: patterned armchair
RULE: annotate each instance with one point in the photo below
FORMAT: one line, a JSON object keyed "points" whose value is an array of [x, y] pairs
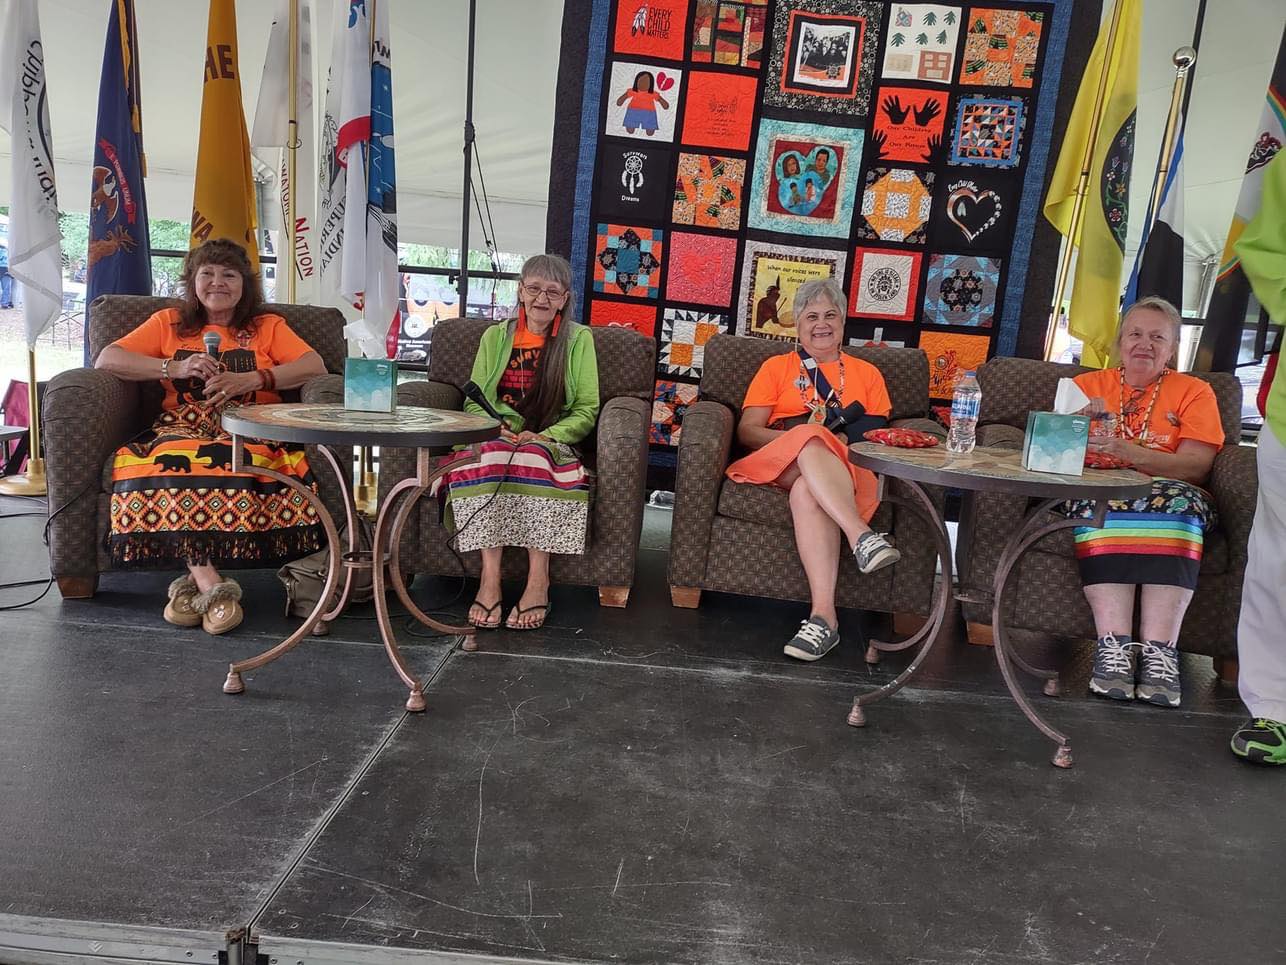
{"points": [[738, 538], [88, 414], [1046, 594], [616, 454]]}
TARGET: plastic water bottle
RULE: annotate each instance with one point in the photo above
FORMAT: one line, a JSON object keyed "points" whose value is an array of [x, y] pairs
{"points": [[965, 405]]}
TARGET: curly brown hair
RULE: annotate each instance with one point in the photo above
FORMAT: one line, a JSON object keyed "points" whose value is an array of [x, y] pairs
{"points": [[228, 254]]}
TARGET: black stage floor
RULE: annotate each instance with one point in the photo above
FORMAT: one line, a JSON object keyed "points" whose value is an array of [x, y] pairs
{"points": [[647, 785]]}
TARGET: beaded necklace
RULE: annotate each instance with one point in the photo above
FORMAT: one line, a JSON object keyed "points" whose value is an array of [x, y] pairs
{"points": [[808, 380], [1122, 428]]}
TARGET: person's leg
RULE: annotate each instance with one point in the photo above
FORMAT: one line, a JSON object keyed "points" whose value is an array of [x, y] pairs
{"points": [[535, 596], [817, 539], [217, 599], [485, 609], [205, 576], [1162, 613], [1113, 607], [832, 486], [6, 289], [1115, 655]]}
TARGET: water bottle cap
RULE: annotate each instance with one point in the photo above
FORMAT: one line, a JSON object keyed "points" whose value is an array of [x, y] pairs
{"points": [[970, 373]]}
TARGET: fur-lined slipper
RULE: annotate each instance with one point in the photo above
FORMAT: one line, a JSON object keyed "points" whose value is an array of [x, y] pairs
{"points": [[219, 607], [179, 610]]}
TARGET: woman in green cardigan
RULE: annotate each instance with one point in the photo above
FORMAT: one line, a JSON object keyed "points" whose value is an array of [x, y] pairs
{"points": [[531, 489]]}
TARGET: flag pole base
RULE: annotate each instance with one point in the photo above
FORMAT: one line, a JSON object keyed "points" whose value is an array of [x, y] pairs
{"points": [[30, 483]]}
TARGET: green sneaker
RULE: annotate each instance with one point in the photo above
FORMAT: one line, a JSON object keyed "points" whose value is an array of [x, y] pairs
{"points": [[1261, 741]]}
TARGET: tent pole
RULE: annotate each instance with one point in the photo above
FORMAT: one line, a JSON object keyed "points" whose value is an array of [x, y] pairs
{"points": [[468, 166]]}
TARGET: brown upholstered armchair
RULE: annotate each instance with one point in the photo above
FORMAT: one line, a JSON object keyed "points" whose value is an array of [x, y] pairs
{"points": [[89, 413], [616, 454], [1046, 595], [738, 538]]}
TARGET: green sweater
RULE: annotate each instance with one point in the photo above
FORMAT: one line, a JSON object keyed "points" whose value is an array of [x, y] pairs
{"points": [[1262, 248], [580, 410]]}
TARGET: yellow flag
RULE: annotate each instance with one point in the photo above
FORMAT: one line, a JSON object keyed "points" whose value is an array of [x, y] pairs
{"points": [[223, 204], [1096, 287]]}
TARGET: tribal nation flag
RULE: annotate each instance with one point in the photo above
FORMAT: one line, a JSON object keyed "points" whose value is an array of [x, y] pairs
{"points": [[1158, 267], [223, 204], [275, 129], [1096, 287], [382, 317], [1226, 316], [35, 245], [120, 260]]}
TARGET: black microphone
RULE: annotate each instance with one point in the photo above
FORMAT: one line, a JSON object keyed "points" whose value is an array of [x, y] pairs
{"points": [[473, 392], [211, 340]]}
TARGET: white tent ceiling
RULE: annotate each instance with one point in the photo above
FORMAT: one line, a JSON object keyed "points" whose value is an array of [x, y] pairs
{"points": [[517, 62]]}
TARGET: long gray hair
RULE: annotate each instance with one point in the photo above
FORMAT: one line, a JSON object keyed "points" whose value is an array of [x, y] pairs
{"points": [[543, 405]]}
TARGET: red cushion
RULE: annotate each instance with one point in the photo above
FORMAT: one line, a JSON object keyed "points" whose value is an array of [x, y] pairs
{"points": [[902, 438]]}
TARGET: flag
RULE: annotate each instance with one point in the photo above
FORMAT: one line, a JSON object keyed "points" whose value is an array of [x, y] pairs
{"points": [[1096, 286], [35, 244], [1158, 266], [223, 204], [382, 316], [273, 129], [1262, 250], [120, 261], [1226, 316]]}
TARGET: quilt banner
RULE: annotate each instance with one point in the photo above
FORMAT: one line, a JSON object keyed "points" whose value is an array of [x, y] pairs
{"points": [[727, 151]]}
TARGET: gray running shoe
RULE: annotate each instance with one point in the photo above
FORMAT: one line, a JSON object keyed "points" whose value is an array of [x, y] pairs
{"points": [[1159, 675], [814, 640], [1115, 659], [873, 552]]}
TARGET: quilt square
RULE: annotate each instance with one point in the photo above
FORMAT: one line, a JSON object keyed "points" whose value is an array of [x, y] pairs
{"points": [[634, 182], [701, 268], [651, 28], [770, 276], [922, 42], [642, 101], [950, 357], [670, 402], [719, 110], [730, 32], [627, 261], [684, 333], [805, 178], [823, 55], [908, 125], [707, 191], [896, 205], [877, 340], [1001, 47], [607, 314], [975, 212], [885, 284], [961, 290], [989, 131]]}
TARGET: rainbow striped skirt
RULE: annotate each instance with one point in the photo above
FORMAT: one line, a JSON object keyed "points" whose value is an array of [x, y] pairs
{"points": [[1157, 539], [534, 495]]}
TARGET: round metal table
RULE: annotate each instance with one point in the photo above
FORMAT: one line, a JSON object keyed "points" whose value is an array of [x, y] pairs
{"points": [[428, 431], [987, 470]]}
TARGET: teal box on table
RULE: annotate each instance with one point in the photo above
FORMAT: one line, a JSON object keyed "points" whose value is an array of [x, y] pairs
{"points": [[1056, 443], [370, 385]]}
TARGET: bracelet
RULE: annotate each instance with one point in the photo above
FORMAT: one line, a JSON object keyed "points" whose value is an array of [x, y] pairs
{"points": [[269, 379], [165, 368]]}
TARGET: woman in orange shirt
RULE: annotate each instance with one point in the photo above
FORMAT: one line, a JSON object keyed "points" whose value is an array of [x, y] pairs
{"points": [[175, 500], [643, 102], [783, 421], [1167, 425]]}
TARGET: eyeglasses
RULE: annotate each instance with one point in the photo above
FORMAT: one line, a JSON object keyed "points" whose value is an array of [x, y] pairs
{"points": [[535, 291]]}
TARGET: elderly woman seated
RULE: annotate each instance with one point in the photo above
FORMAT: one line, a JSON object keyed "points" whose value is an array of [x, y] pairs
{"points": [[539, 371], [793, 409], [175, 499], [1165, 424]]}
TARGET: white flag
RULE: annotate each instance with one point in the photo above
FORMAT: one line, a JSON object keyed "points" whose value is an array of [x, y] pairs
{"points": [[35, 250], [381, 307], [332, 175], [272, 129]]}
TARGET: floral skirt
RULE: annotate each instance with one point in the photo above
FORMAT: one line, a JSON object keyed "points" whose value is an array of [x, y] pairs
{"points": [[534, 495], [1157, 539], [176, 500]]}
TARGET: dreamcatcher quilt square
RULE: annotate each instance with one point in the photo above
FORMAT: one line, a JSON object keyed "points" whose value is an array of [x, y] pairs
{"points": [[950, 357], [707, 191], [805, 179], [627, 260], [670, 402], [634, 182], [701, 268], [922, 42], [1001, 47], [896, 205], [684, 333], [823, 55], [988, 131], [961, 290], [885, 284]]}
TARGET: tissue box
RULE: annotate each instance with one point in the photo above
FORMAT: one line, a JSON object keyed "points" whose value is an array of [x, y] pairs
{"points": [[370, 385], [1056, 443]]}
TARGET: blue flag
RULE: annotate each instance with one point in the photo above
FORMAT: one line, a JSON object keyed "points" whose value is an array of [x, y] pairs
{"points": [[120, 262]]}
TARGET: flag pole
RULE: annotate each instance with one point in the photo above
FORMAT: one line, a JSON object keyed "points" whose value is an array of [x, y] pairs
{"points": [[1082, 185], [292, 148], [367, 482], [32, 482], [1184, 58]]}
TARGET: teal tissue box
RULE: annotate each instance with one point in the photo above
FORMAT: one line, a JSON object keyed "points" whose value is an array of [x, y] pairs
{"points": [[1056, 443], [370, 385]]}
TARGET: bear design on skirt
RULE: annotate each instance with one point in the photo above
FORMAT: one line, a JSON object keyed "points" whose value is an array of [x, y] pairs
{"points": [[172, 462]]}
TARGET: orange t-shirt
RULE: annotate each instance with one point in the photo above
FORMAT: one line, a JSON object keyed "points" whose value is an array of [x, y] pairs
{"points": [[271, 343], [776, 384], [642, 100], [1185, 408]]}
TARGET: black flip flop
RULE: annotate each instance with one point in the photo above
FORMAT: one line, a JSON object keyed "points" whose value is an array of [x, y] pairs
{"points": [[488, 610], [535, 626]]}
